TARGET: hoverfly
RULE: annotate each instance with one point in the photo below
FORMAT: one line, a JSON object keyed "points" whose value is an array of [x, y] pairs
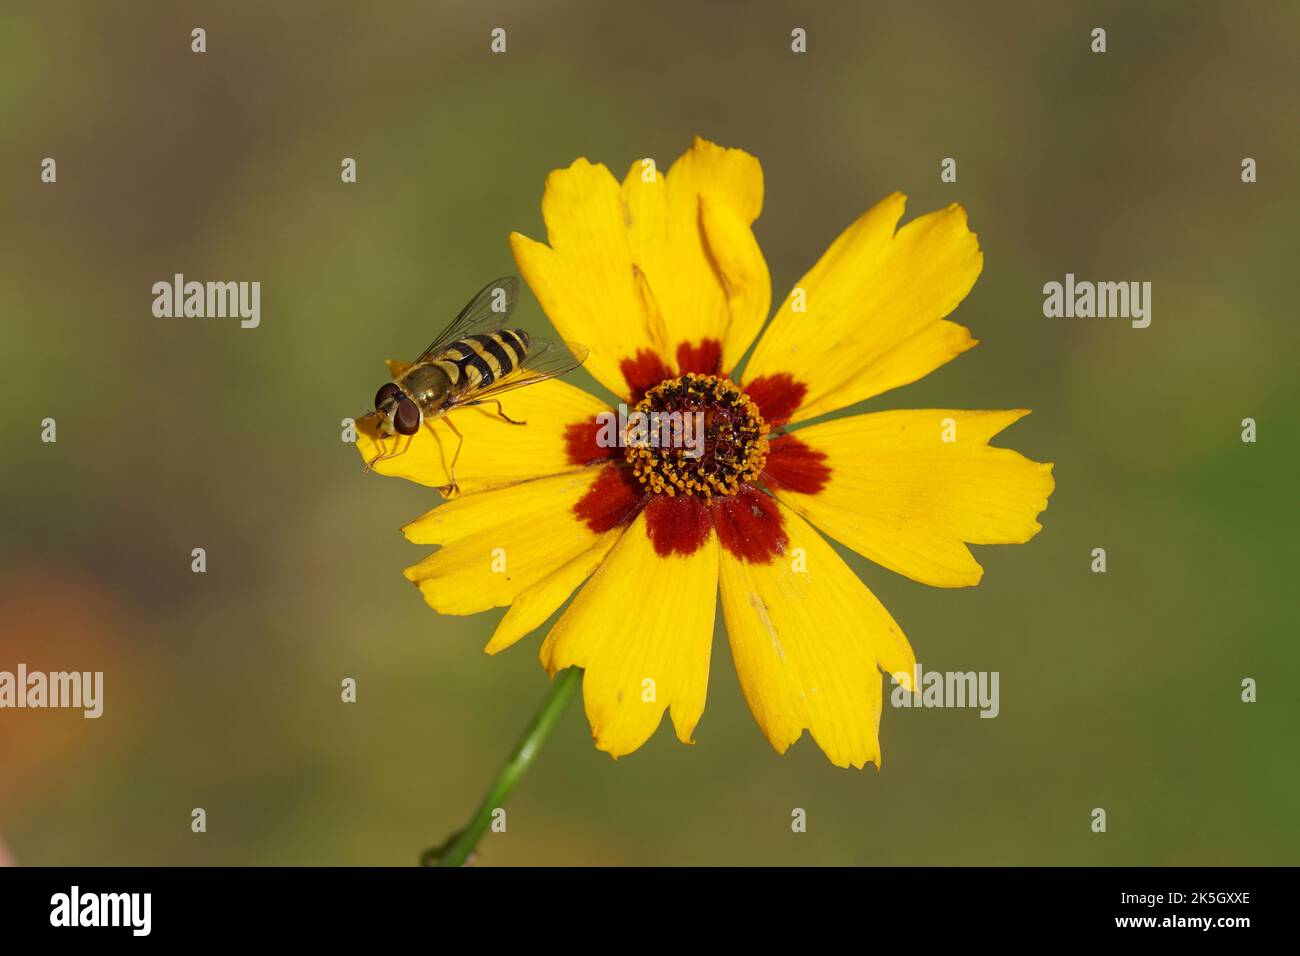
{"points": [[474, 360]]}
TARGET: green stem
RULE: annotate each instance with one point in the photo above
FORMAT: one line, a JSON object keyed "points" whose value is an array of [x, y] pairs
{"points": [[458, 849]]}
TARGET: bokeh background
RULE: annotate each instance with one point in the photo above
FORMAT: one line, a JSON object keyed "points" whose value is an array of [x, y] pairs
{"points": [[1119, 690]]}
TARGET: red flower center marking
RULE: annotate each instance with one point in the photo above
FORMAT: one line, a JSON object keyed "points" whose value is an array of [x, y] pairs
{"points": [[750, 526], [778, 396], [702, 359], [647, 368], [794, 466], [582, 443], [643, 372], [612, 499], [696, 435]]}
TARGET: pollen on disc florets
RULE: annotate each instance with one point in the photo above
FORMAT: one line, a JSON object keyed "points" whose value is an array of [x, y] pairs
{"points": [[696, 435]]}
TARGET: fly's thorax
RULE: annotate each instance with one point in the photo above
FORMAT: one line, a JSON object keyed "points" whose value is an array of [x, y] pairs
{"points": [[428, 385]]}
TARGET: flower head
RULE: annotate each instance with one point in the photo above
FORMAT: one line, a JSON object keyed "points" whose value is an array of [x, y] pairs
{"points": [[662, 277]]}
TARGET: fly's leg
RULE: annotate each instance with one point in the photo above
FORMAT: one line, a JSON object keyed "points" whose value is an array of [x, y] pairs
{"points": [[501, 412], [453, 488], [448, 491], [385, 454]]}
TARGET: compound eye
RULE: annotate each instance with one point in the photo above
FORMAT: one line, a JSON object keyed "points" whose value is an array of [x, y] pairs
{"points": [[387, 392], [406, 419]]}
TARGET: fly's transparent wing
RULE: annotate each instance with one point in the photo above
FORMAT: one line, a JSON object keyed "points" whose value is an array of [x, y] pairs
{"points": [[488, 311], [546, 358]]}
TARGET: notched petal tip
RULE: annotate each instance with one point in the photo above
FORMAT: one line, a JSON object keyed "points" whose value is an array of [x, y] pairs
{"points": [[684, 727], [780, 746], [725, 170], [904, 679], [854, 761], [702, 145], [838, 759], [579, 165]]}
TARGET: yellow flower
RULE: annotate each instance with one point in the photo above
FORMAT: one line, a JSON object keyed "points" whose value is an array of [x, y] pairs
{"points": [[662, 278]]}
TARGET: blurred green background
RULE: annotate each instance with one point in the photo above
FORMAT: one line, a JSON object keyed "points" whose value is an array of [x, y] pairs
{"points": [[1119, 690]]}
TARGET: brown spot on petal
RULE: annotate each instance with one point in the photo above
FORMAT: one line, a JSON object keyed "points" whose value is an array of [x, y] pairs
{"points": [[750, 527], [643, 372], [611, 500], [677, 524], [702, 359], [778, 396], [581, 445], [795, 466]]}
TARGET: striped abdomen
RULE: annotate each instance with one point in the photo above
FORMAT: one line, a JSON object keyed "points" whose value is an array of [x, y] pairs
{"points": [[477, 361]]}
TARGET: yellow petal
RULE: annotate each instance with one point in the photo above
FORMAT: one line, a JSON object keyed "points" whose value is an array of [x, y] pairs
{"points": [[583, 276], [498, 543], [495, 452], [875, 305], [641, 628], [688, 226], [533, 605], [906, 498], [745, 278], [809, 641]]}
